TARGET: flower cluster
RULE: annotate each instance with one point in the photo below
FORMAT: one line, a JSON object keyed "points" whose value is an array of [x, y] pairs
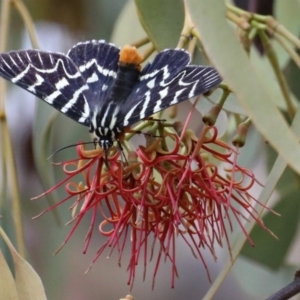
{"points": [[157, 194]]}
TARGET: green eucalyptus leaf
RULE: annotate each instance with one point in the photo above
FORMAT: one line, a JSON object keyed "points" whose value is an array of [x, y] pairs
{"points": [[287, 13], [260, 282], [44, 120], [27, 282], [162, 20], [8, 288], [284, 227], [263, 66], [121, 35]]}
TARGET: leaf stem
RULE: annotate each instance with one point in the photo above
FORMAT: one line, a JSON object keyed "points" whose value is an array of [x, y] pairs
{"points": [[28, 22]]}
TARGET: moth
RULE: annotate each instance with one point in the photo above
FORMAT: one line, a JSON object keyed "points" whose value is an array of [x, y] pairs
{"points": [[104, 88]]}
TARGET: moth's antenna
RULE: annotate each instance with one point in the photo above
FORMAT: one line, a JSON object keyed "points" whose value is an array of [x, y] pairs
{"points": [[69, 146]]}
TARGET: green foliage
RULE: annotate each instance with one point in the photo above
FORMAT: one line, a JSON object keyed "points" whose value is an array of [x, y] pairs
{"points": [[258, 92], [158, 17]]}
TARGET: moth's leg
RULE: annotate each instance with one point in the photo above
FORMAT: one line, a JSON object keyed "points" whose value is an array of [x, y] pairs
{"points": [[123, 156]]}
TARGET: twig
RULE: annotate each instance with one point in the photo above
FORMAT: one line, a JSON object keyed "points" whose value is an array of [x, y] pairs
{"points": [[288, 291]]}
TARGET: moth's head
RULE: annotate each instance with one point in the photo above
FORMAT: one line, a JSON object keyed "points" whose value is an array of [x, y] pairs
{"points": [[103, 135], [105, 144]]}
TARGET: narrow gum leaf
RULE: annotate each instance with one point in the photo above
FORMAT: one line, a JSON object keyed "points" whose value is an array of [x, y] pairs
{"points": [[289, 210], [28, 283], [121, 35], [45, 118], [8, 289], [263, 66], [287, 13], [162, 20], [222, 46]]}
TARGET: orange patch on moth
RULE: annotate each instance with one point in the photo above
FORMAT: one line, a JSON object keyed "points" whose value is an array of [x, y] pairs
{"points": [[128, 130], [130, 55], [121, 137]]}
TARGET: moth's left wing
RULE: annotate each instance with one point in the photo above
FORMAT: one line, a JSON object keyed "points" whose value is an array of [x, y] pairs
{"points": [[167, 81], [52, 77]]}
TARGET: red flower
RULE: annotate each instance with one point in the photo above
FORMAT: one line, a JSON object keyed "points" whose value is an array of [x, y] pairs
{"points": [[160, 194]]}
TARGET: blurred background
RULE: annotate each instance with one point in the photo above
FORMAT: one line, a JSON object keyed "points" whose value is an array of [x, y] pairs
{"points": [[59, 25]]}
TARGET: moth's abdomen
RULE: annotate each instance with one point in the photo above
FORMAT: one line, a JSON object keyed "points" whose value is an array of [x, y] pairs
{"points": [[124, 82], [107, 122]]}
